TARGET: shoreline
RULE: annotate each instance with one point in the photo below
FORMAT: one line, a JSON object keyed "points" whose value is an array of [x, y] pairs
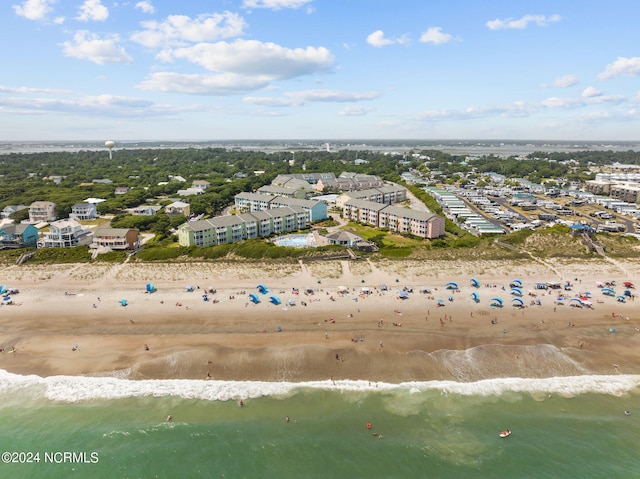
{"points": [[235, 340]]}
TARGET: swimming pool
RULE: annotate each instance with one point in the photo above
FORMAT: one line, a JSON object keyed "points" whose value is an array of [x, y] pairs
{"points": [[296, 241]]}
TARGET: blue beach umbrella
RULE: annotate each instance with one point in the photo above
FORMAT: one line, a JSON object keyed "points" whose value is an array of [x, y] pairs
{"points": [[475, 297], [475, 283]]}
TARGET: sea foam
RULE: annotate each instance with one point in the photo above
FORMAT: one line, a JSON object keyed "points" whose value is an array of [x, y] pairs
{"points": [[83, 388]]}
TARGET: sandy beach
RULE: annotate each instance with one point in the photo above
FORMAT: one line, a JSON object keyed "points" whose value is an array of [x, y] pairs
{"points": [[69, 320]]}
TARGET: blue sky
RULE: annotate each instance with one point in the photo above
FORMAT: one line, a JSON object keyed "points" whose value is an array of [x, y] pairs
{"points": [[320, 69]]}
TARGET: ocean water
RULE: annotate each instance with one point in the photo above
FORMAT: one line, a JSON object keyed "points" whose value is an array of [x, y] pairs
{"points": [[566, 427]]}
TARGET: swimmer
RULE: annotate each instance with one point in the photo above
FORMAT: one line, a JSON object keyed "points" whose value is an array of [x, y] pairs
{"points": [[169, 418], [627, 413]]}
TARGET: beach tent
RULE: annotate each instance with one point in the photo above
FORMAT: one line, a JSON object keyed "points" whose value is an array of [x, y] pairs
{"points": [[516, 292], [586, 294], [150, 288], [254, 298], [425, 290], [475, 297], [188, 288], [384, 287], [440, 302], [262, 288], [450, 298], [516, 283], [517, 302], [403, 295], [621, 299], [496, 302], [291, 302], [627, 292], [123, 302], [275, 300], [365, 290], [628, 284], [205, 297], [451, 285], [475, 283], [608, 292], [6, 298], [3, 289]]}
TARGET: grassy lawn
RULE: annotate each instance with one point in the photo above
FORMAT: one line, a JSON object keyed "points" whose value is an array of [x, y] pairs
{"points": [[388, 239]]}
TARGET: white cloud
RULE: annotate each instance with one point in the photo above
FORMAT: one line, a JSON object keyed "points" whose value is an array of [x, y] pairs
{"points": [[34, 9], [275, 4], [92, 10], [178, 29], [254, 58], [522, 23], [621, 67], [434, 35], [298, 98], [563, 81], [28, 90], [145, 6], [353, 110], [88, 46], [591, 92], [222, 84], [378, 40]]}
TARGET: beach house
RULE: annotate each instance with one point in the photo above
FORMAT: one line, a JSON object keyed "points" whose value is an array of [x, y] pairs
{"points": [[65, 233], [22, 235], [115, 238], [83, 211], [42, 211]]}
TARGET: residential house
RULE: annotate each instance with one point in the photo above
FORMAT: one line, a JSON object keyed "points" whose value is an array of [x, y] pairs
{"points": [[42, 211], [11, 209], [178, 208], [83, 212], [116, 238], [22, 235], [200, 184], [65, 233], [121, 190], [145, 210]]}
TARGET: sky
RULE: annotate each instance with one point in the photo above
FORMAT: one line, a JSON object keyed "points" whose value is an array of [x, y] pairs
{"points": [[319, 70]]}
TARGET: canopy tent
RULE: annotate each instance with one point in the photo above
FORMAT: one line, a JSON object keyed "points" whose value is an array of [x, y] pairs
{"points": [[516, 292], [496, 302], [475, 297], [451, 285], [254, 298], [150, 288], [517, 302], [475, 283], [275, 300]]}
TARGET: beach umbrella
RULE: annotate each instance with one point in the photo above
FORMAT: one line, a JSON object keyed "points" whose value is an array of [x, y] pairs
{"points": [[254, 298], [516, 292], [621, 299], [123, 302], [516, 283], [475, 283], [517, 302], [451, 285], [475, 297], [275, 300], [262, 288], [628, 284], [578, 300], [496, 302]]}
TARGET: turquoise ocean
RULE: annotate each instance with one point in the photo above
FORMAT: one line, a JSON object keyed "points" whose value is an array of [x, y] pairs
{"points": [[89, 427]]}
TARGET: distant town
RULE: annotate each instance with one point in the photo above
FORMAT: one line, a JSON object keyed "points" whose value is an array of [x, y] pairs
{"points": [[128, 196]]}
